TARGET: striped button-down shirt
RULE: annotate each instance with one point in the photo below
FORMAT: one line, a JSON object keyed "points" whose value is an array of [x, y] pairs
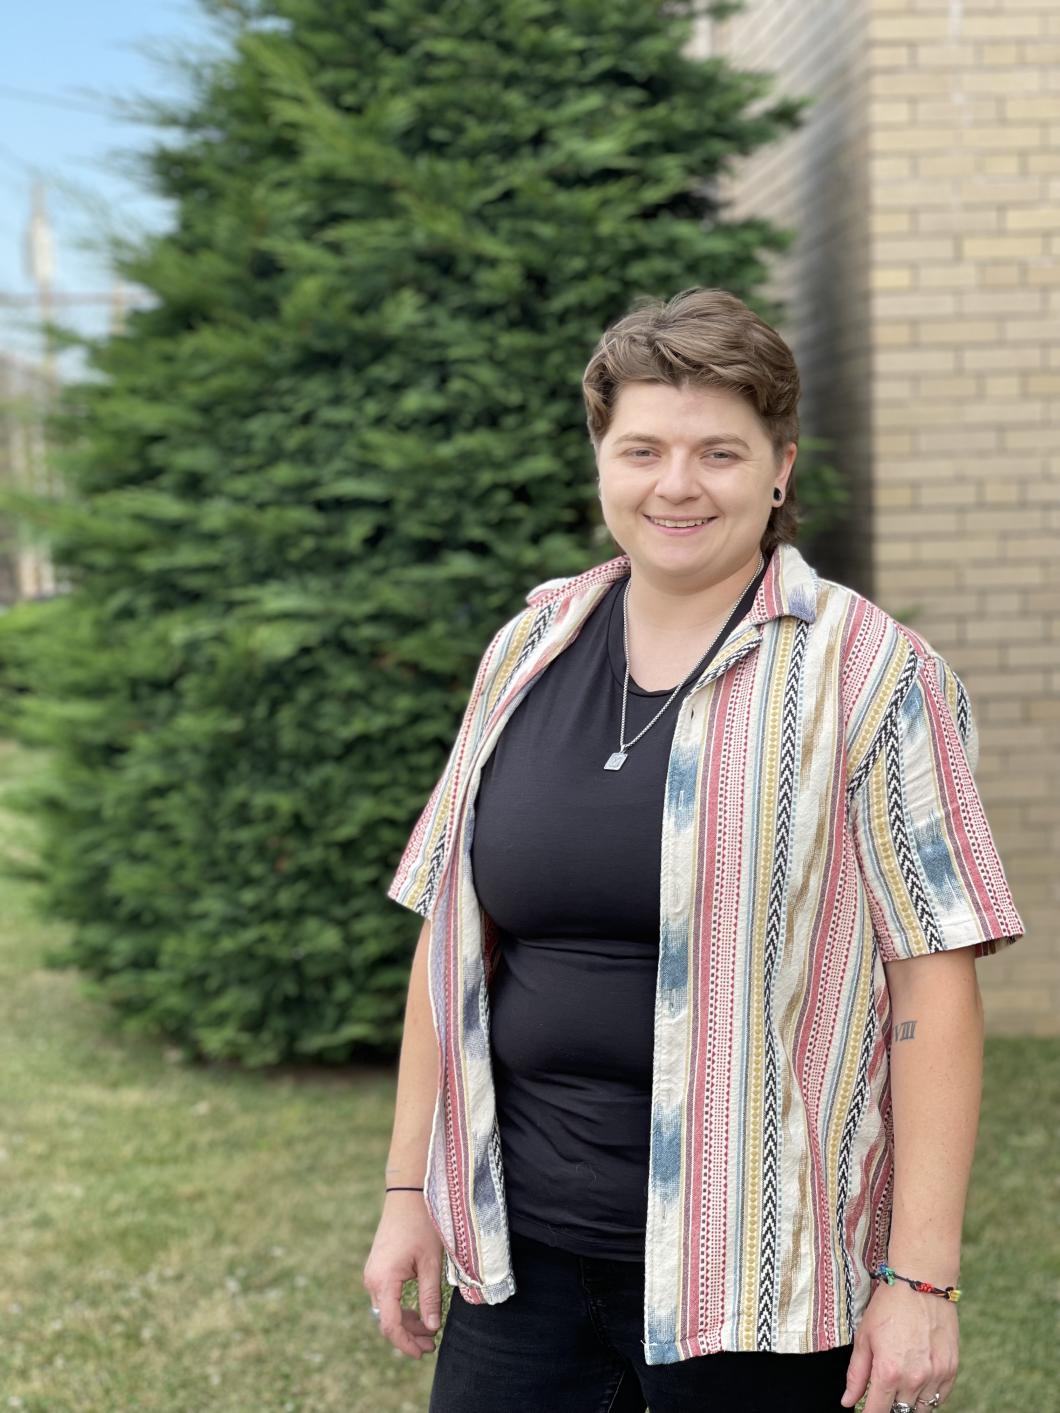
{"points": [[820, 819]]}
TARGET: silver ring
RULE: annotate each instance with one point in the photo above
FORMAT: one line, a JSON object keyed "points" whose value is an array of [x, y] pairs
{"points": [[932, 1402], [375, 1312], [899, 1407]]}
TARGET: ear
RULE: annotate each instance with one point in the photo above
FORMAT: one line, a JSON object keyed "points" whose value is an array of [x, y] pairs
{"points": [[787, 464]]}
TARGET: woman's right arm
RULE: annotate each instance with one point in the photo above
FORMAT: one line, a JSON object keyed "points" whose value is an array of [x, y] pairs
{"points": [[407, 1245], [417, 1081]]}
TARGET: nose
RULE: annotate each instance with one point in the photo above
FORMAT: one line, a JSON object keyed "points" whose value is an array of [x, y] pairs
{"points": [[676, 480]]}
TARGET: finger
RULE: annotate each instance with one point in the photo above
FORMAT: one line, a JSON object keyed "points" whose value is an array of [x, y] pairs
{"points": [[857, 1374], [424, 1338], [429, 1279], [412, 1322], [944, 1388], [881, 1396], [391, 1321], [927, 1386]]}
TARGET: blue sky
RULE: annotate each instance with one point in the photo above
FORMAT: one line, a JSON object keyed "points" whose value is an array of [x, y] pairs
{"points": [[60, 62]]}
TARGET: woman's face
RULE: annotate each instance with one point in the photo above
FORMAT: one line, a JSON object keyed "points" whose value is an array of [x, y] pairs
{"points": [[688, 454]]}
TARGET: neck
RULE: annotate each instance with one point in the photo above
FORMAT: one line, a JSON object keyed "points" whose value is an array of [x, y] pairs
{"points": [[666, 607]]}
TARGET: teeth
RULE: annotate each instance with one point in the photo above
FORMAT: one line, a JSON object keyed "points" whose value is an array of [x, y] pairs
{"points": [[675, 524]]}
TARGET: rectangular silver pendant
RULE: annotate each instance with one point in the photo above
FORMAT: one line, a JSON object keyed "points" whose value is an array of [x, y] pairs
{"points": [[616, 761]]}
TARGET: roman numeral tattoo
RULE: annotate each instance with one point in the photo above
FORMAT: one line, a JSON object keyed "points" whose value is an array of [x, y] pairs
{"points": [[904, 1030]]}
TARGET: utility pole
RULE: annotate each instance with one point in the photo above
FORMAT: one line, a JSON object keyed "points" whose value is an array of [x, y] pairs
{"points": [[34, 572], [40, 266], [33, 389]]}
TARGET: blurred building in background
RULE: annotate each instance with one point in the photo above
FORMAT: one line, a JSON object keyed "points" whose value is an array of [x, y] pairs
{"points": [[26, 570], [923, 294], [31, 374]]}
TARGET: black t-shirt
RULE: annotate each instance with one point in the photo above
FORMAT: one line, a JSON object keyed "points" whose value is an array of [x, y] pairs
{"points": [[565, 857]]}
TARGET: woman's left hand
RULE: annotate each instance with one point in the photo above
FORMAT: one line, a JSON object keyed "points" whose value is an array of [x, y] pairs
{"points": [[904, 1348]]}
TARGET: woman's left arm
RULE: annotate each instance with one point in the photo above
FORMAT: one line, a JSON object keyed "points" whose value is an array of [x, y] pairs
{"points": [[906, 1344]]}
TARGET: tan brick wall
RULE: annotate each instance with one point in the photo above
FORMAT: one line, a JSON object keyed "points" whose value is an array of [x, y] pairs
{"points": [[923, 297], [816, 183]]}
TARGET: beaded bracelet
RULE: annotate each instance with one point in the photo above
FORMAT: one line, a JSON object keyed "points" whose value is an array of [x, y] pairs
{"points": [[887, 1273]]}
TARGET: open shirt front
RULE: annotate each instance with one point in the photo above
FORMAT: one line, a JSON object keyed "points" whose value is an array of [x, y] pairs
{"points": [[820, 818]]}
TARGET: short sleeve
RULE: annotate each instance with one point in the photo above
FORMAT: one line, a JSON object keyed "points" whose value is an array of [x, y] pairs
{"points": [[414, 883], [955, 695], [426, 854], [927, 858]]}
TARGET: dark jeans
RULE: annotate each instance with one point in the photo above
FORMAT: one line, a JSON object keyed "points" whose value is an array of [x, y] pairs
{"points": [[569, 1341]]}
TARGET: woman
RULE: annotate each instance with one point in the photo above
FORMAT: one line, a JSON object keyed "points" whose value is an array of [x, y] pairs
{"points": [[693, 1039]]}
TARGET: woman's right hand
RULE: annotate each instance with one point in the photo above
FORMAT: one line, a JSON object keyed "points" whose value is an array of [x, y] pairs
{"points": [[406, 1247]]}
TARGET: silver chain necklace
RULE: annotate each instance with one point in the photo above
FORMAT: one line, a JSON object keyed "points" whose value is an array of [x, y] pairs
{"points": [[617, 759]]}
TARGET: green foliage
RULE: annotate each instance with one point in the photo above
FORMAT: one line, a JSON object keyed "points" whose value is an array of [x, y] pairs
{"points": [[304, 486]]}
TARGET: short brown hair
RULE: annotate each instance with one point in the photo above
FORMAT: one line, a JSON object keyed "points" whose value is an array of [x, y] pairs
{"points": [[704, 338]]}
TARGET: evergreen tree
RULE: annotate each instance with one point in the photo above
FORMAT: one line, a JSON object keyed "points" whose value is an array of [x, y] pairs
{"points": [[306, 485]]}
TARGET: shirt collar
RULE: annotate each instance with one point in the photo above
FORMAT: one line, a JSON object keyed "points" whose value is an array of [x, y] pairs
{"points": [[788, 587]]}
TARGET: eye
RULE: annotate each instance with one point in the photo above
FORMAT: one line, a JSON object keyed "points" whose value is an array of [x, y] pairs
{"points": [[635, 452]]}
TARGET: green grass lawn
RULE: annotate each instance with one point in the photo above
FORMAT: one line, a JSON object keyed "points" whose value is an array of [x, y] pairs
{"points": [[179, 1239]]}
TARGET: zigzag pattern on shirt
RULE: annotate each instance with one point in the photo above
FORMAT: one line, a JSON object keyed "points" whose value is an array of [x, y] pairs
{"points": [[963, 710], [539, 627], [434, 873], [858, 1100], [890, 716], [725, 661], [788, 767], [902, 848]]}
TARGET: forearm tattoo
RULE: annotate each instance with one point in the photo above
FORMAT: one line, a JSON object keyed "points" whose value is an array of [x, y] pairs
{"points": [[904, 1030]]}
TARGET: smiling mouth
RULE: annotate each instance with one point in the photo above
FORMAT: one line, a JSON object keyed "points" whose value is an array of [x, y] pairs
{"points": [[665, 523]]}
